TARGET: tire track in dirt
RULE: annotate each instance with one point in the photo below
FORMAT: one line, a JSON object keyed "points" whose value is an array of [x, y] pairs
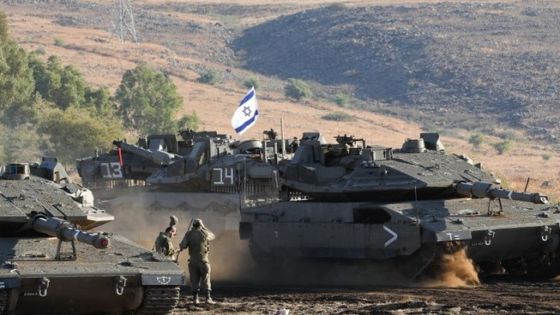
{"points": [[495, 296]]}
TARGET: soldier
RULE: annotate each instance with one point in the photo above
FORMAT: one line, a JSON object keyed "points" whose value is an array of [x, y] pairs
{"points": [[197, 240], [163, 244]]}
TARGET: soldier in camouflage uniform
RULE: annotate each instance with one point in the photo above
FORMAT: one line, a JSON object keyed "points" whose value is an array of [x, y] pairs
{"points": [[163, 244], [197, 240]]}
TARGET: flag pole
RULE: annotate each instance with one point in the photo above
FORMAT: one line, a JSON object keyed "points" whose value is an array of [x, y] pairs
{"points": [[282, 137]]}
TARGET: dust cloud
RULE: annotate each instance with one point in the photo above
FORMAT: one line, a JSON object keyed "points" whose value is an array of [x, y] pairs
{"points": [[452, 270], [140, 219]]}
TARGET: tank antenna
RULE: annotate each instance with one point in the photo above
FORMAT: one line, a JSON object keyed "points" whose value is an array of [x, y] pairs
{"points": [[416, 206], [527, 184], [282, 137]]}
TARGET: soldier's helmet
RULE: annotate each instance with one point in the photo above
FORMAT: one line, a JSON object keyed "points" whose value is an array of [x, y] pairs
{"points": [[197, 223]]}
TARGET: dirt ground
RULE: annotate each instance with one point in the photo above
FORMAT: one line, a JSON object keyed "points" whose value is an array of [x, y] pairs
{"points": [[496, 296]]}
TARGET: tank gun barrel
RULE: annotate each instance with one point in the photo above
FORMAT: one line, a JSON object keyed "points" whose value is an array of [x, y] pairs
{"points": [[489, 190], [66, 232], [158, 157]]}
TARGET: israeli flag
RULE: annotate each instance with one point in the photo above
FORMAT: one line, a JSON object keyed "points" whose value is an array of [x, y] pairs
{"points": [[247, 113]]}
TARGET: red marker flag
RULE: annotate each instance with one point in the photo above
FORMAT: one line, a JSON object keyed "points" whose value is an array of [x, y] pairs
{"points": [[119, 150]]}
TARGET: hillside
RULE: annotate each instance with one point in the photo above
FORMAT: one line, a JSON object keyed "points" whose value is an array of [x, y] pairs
{"points": [[184, 39], [466, 64]]}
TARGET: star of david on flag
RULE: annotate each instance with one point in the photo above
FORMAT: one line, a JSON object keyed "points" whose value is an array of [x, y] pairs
{"points": [[247, 113]]}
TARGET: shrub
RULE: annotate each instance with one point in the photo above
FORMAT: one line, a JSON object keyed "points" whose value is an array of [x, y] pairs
{"points": [[40, 51], [251, 82], [209, 77], [476, 140], [546, 156], [298, 89], [342, 99], [338, 116], [59, 42], [187, 121], [502, 147]]}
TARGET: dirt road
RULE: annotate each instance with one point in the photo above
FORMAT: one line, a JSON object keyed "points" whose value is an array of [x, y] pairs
{"points": [[496, 296], [506, 296]]}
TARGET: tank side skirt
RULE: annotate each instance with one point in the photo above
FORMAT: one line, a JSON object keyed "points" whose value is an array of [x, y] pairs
{"points": [[3, 301]]}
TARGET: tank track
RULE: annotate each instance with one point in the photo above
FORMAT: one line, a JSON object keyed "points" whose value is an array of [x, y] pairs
{"points": [[3, 301], [159, 300]]}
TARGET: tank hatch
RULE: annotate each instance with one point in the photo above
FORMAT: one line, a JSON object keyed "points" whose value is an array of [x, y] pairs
{"points": [[17, 171]]}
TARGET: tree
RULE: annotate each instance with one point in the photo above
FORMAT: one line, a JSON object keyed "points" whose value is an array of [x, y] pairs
{"points": [[72, 88], [21, 144], [74, 133], [100, 102], [16, 79], [148, 99], [3, 27]]}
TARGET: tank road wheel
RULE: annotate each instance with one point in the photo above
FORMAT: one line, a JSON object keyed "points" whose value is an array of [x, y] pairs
{"points": [[3, 301], [515, 266], [543, 266], [414, 266], [159, 300]]}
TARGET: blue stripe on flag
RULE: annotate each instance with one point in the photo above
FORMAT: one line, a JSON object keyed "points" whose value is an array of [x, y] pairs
{"points": [[247, 123], [247, 97]]}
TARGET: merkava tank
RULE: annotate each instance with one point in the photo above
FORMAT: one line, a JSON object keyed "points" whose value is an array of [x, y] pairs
{"points": [[50, 263], [129, 165], [351, 202], [203, 179], [218, 164]]}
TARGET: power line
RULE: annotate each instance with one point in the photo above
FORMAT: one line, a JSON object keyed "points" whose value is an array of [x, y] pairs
{"points": [[123, 20]]}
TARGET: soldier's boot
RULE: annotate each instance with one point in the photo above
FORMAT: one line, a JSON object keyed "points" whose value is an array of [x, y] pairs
{"points": [[209, 298], [195, 297]]}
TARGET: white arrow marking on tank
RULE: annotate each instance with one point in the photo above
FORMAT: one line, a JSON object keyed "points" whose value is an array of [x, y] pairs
{"points": [[393, 238]]}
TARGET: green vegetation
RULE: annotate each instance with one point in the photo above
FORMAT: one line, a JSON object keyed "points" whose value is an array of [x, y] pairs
{"points": [[502, 147], [298, 89], [546, 156], [338, 116], [73, 134], [191, 121], [251, 82], [47, 108], [476, 140], [209, 77], [342, 99], [59, 42], [148, 100]]}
